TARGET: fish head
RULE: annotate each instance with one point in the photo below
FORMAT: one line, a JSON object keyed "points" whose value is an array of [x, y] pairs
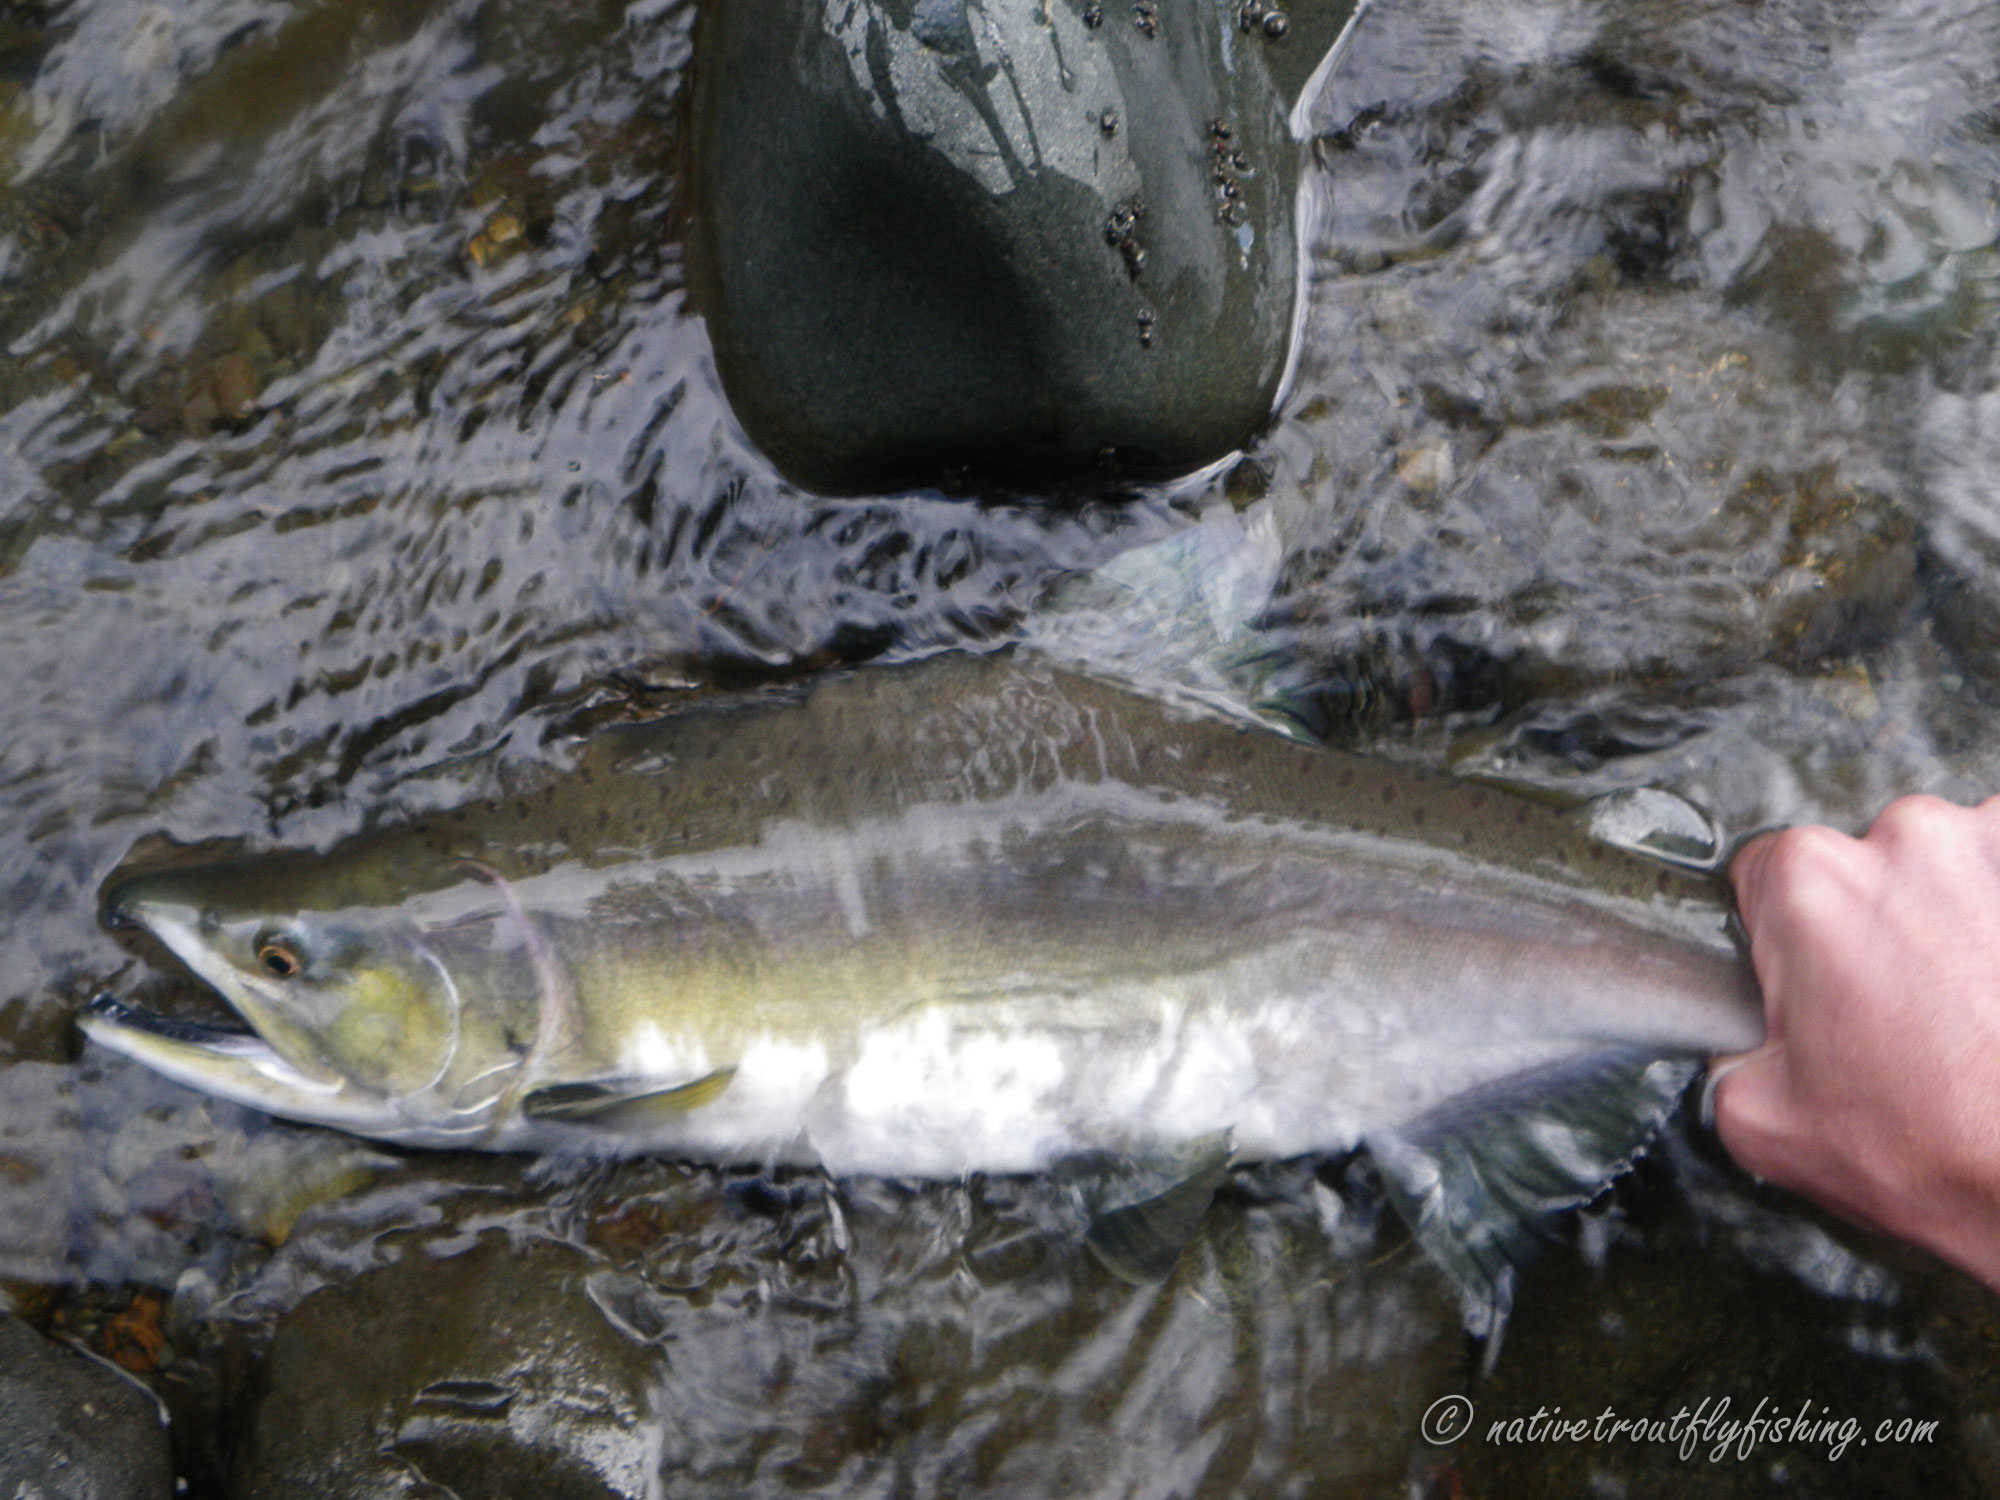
{"points": [[351, 1012]]}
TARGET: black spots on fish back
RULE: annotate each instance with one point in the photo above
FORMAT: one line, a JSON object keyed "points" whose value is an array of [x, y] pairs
{"points": [[1465, 837], [1520, 817], [603, 819], [1478, 799], [1660, 882], [1388, 795], [1416, 817], [521, 809], [1346, 776]]}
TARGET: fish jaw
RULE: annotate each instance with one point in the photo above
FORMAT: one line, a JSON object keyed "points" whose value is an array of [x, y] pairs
{"points": [[235, 1065]]}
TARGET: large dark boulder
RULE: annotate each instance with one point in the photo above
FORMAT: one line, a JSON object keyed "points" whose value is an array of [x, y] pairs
{"points": [[1039, 239], [74, 1429], [487, 1375]]}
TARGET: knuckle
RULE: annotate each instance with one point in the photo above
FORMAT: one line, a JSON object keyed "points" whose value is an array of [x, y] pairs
{"points": [[1802, 879], [1918, 819], [1805, 858]]}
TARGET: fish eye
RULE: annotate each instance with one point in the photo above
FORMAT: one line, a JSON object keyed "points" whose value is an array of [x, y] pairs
{"points": [[280, 956]]}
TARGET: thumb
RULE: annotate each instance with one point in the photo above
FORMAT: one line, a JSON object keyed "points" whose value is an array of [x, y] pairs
{"points": [[1750, 1097]]}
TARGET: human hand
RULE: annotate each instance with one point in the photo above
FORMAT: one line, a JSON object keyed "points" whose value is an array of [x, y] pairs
{"points": [[1877, 1089]]}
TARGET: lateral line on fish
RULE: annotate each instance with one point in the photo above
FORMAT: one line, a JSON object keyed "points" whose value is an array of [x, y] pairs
{"points": [[555, 998]]}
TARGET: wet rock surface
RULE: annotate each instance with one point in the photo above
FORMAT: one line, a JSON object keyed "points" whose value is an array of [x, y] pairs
{"points": [[73, 1429], [724, 1334], [1049, 242], [716, 1334], [482, 1375]]}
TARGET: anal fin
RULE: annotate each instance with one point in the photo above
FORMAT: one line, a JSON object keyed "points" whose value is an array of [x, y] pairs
{"points": [[1480, 1180], [1140, 1242]]}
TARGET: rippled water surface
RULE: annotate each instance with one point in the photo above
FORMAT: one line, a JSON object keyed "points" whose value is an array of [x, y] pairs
{"points": [[357, 445]]}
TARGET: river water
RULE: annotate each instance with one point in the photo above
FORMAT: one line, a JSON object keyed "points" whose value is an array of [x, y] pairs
{"points": [[358, 447]]}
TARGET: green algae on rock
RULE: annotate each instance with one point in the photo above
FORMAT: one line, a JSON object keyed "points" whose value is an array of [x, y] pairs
{"points": [[1035, 238]]}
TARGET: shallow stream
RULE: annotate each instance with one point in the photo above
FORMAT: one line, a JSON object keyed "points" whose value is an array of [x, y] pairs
{"points": [[358, 447]]}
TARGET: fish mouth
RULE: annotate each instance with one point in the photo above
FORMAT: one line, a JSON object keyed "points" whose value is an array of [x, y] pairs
{"points": [[108, 1010], [232, 1061]]}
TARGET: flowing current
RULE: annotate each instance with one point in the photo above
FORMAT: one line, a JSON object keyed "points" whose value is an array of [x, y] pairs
{"points": [[357, 447]]}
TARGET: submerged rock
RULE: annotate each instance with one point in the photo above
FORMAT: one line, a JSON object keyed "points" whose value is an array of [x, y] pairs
{"points": [[482, 1375], [73, 1429], [1036, 238]]}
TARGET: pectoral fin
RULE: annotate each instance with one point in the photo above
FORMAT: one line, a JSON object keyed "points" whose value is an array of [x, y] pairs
{"points": [[622, 1103], [1139, 1242], [1481, 1180]]}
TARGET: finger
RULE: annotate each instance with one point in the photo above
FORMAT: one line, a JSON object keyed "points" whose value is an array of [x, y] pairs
{"points": [[1800, 893], [1754, 1110], [1719, 1068], [1748, 873]]}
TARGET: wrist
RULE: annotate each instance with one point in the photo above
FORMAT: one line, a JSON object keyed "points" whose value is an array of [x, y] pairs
{"points": [[1959, 1218]]}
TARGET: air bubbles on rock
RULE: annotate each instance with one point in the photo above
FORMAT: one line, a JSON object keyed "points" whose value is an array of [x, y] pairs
{"points": [[1254, 15], [1121, 232]]}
